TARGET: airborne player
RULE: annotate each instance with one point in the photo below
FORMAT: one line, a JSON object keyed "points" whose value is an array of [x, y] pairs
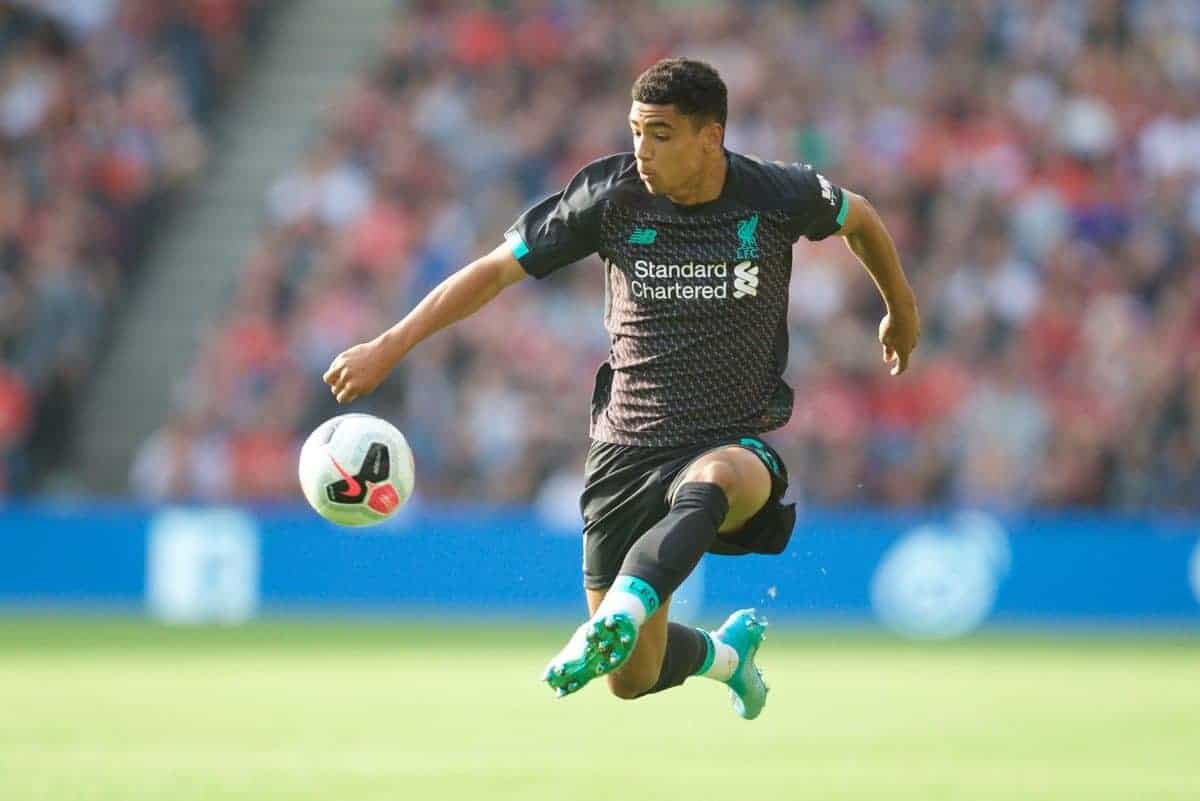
{"points": [[697, 246]]}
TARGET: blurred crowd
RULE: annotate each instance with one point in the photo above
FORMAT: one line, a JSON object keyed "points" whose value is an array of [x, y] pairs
{"points": [[1037, 161], [101, 103]]}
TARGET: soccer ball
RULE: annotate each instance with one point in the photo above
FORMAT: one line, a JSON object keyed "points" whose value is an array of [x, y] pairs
{"points": [[356, 470]]}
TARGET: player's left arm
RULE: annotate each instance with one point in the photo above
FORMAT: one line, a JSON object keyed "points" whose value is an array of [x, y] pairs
{"points": [[868, 238]]}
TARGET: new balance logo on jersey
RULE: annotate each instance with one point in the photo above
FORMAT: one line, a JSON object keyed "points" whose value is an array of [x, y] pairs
{"points": [[745, 280], [643, 236]]}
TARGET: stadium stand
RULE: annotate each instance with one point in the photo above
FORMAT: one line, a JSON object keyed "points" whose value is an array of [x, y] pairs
{"points": [[1038, 164], [102, 111]]}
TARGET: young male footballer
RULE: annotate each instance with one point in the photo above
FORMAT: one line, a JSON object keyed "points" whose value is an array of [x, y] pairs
{"points": [[697, 246]]}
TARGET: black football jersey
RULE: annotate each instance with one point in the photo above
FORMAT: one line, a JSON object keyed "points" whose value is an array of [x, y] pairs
{"points": [[696, 296]]}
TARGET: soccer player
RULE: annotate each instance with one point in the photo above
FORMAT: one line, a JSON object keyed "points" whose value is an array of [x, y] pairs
{"points": [[696, 242]]}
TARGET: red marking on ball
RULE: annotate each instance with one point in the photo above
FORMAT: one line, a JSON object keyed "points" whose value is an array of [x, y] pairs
{"points": [[383, 499]]}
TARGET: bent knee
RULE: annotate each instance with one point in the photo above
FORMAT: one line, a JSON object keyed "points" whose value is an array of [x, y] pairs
{"points": [[715, 471], [742, 477], [744, 480]]}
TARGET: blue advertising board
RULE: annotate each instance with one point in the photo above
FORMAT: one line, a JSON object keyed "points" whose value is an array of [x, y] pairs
{"points": [[923, 573]]}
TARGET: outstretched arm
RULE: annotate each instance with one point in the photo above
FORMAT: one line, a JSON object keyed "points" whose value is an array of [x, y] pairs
{"points": [[870, 241], [360, 369]]}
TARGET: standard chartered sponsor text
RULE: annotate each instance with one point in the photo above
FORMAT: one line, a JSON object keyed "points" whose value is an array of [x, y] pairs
{"points": [[717, 273]]}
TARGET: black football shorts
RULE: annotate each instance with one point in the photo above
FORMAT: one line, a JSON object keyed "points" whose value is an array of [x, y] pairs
{"points": [[626, 491]]}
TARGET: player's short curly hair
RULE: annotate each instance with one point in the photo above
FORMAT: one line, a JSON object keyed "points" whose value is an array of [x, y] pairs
{"points": [[693, 87]]}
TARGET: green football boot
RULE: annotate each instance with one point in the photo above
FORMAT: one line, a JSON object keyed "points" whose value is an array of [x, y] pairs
{"points": [[744, 631], [601, 645]]}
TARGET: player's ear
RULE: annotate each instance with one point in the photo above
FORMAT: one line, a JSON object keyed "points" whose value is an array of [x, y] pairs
{"points": [[713, 134]]}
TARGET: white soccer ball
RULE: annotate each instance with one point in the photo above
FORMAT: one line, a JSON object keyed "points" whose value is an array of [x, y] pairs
{"points": [[356, 470]]}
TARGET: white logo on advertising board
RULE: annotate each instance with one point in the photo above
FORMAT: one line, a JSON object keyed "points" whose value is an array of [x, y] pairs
{"points": [[940, 582], [202, 566]]}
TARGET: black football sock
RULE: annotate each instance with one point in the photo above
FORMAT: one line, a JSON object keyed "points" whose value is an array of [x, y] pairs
{"points": [[688, 650], [667, 554]]}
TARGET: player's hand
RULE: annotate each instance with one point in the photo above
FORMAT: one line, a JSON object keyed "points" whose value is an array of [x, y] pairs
{"points": [[899, 331], [357, 371]]}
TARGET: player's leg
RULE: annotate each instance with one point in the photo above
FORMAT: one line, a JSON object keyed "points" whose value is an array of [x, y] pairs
{"points": [[726, 655], [631, 655], [719, 492], [663, 655], [642, 668], [666, 654]]}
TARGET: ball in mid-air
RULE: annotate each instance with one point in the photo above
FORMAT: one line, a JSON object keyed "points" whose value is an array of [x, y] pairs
{"points": [[356, 469]]}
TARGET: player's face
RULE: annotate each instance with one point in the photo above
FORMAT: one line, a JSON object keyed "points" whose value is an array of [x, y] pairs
{"points": [[669, 147]]}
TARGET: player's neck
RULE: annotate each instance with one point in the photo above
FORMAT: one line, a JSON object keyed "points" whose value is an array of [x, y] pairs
{"points": [[708, 184]]}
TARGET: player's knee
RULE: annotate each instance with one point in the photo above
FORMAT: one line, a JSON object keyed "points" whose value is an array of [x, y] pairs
{"points": [[718, 472]]}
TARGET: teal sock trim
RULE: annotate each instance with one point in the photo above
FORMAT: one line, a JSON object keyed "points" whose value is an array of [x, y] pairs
{"points": [[709, 655], [634, 585]]}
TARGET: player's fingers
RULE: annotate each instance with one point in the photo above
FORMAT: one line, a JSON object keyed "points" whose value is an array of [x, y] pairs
{"points": [[888, 353], [901, 362], [334, 372], [345, 395]]}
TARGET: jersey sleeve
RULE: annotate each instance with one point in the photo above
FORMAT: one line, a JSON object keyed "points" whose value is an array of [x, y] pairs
{"points": [[817, 205], [563, 228]]}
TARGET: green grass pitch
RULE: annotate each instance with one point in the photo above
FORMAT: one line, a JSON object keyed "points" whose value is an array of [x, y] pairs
{"points": [[121, 711]]}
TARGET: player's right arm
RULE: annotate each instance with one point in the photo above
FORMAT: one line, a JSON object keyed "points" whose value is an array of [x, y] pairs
{"points": [[560, 230], [360, 369]]}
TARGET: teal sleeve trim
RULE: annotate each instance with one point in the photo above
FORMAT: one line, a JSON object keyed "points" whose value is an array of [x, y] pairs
{"points": [[709, 655], [635, 586], [845, 209], [519, 249]]}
